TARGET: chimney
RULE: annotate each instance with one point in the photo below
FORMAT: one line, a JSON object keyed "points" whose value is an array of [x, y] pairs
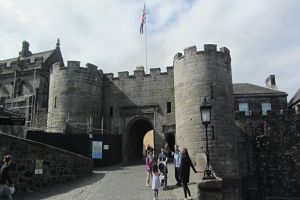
{"points": [[270, 82], [25, 50]]}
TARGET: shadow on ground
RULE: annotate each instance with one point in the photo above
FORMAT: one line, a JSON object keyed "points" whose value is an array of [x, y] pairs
{"points": [[53, 190], [60, 188]]}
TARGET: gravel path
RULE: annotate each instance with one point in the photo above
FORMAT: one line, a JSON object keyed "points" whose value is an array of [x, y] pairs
{"points": [[122, 181]]}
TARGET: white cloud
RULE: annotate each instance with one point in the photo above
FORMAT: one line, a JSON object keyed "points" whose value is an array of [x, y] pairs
{"points": [[263, 36]]}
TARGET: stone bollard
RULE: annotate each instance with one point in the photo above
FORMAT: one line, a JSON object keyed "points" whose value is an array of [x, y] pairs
{"points": [[210, 189]]}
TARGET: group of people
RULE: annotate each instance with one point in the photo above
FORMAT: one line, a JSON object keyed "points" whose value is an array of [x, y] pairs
{"points": [[6, 184], [158, 169]]}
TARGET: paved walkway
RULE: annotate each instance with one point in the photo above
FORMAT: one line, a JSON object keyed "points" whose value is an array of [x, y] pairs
{"points": [[122, 181]]}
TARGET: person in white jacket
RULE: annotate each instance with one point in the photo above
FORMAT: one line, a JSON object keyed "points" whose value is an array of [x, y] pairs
{"points": [[177, 160]]}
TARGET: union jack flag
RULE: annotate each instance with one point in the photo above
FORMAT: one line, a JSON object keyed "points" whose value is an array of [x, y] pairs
{"points": [[143, 20]]}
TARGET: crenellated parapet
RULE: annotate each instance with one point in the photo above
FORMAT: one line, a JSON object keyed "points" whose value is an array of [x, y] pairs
{"points": [[139, 72], [75, 95], [73, 68], [191, 52], [199, 75]]}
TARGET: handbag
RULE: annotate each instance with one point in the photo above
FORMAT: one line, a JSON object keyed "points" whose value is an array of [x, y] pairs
{"points": [[12, 189]]}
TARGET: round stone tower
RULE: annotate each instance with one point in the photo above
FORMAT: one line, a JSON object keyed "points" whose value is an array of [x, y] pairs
{"points": [[75, 96], [206, 74]]}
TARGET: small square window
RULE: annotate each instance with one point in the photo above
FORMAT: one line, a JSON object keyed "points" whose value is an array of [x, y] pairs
{"points": [[244, 107], [265, 107]]}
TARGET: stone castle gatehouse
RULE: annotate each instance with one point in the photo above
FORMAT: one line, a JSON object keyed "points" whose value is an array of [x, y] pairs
{"points": [[68, 98]]}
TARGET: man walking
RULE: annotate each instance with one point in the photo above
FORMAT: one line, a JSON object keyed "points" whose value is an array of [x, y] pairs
{"points": [[177, 160]]}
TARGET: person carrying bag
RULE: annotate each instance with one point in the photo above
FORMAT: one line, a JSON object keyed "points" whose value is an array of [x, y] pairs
{"points": [[6, 184]]}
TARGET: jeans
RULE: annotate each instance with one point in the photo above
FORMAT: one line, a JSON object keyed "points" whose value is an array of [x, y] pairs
{"points": [[5, 193]]}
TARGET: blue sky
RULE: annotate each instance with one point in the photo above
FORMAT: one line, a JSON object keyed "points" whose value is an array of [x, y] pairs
{"points": [[263, 36]]}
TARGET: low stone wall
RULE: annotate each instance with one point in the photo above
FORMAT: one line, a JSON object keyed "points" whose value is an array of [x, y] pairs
{"points": [[57, 165]]}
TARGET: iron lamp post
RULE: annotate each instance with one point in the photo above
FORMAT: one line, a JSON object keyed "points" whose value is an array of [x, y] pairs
{"points": [[205, 111]]}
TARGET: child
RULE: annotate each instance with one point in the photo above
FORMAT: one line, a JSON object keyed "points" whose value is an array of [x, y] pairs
{"points": [[162, 167], [155, 180]]}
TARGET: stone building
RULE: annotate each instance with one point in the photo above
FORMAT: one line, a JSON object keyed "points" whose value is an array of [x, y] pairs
{"points": [[294, 103], [74, 99], [24, 83]]}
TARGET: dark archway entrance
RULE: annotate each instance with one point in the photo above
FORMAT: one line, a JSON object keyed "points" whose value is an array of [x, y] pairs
{"points": [[136, 131], [170, 139]]}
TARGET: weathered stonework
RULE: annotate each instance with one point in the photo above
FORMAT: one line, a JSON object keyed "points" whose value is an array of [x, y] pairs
{"points": [[58, 165], [75, 96], [136, 98], [199, 74], [74, 99], [270, 161]]}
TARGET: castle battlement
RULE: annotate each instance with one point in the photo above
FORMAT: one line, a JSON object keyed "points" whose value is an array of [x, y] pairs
{"points": [[208, 48], [74, 67], [140, 73]]}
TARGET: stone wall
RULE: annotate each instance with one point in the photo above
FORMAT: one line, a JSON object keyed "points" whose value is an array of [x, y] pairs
{"points": [[129, 97], [278, 102], [58, 165], [278, 158], [270, 166]]}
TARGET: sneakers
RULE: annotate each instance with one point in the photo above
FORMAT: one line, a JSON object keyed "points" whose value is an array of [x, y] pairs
{"points": [[189, 198]]}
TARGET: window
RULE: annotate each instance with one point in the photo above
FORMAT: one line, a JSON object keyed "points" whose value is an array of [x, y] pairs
{"points": [[244, 107], [169, 107], [55, 98], [265, 107], [111, 111], [297, 109]]}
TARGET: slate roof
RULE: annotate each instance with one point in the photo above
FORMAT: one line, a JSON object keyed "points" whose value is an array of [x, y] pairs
{"points": [[250, 89], [44, 55], [295, 99]]}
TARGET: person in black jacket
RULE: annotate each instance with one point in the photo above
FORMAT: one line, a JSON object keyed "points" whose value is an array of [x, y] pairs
{"points": [[5, 180], [184, 172]]}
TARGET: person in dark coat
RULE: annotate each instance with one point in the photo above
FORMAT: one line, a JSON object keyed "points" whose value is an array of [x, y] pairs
{"points": [[5, 180], [184, 172]]}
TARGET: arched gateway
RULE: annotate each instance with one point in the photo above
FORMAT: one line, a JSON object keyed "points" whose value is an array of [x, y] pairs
{"points": [[136, 130]]}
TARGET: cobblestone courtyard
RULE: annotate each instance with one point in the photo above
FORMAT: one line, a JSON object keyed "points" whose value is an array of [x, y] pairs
{"points": [[122, 181]]}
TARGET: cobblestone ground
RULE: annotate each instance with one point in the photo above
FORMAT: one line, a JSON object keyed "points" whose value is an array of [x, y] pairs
{"points": [[122, 181]]}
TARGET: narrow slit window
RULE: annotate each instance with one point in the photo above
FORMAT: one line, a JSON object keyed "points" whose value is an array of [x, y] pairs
{"points": [[211, 91], [111, 111], [169, 109], [55, 98]]}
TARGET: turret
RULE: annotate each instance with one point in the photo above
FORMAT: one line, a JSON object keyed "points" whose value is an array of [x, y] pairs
{"points": [[200, 74]]}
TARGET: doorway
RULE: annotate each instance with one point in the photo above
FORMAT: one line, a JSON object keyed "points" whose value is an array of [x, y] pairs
{"points": [[136, 131]]}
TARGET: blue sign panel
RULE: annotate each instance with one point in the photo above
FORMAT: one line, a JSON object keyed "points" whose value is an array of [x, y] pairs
{"points": [[97, 150]]}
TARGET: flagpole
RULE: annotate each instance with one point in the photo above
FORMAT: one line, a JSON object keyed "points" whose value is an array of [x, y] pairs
{"points": [[146, 50]]}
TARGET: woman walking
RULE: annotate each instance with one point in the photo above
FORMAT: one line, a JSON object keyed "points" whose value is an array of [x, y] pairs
{"points": [[149, 159], [5, 180], [184, 172]]}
